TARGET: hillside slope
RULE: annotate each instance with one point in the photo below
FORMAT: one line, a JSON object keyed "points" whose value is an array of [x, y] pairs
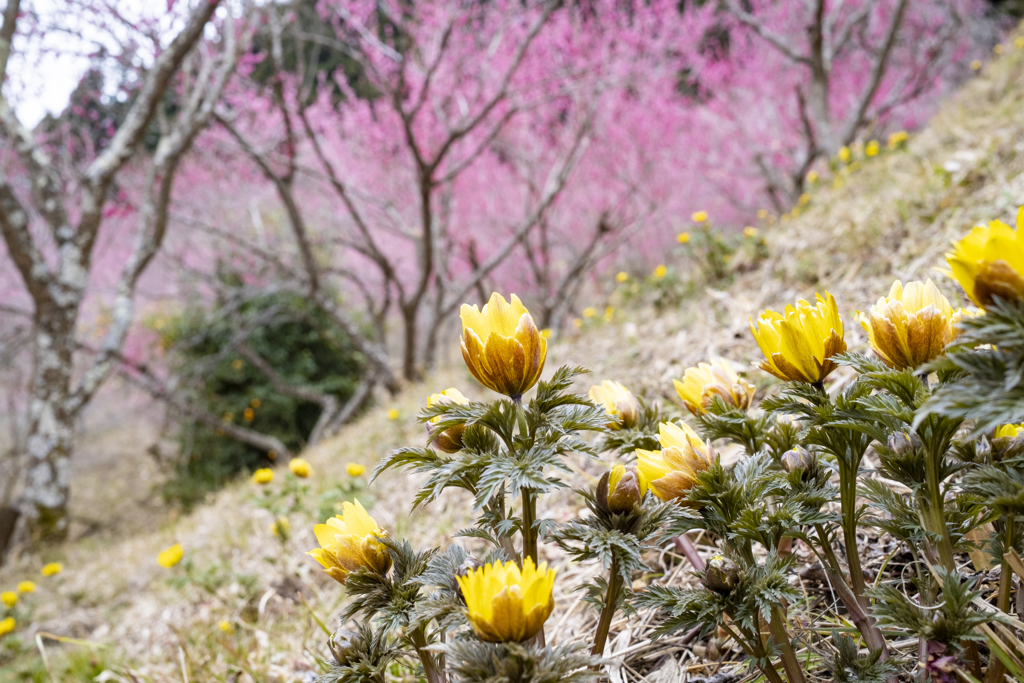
{"points": [[234, 604]]}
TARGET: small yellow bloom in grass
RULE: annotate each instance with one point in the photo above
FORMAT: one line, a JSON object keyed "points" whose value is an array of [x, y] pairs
{"points": [[52, 568], [618, 402], [354, 469], [248, 414], [589, 312], [393, 414], [236, 364], [622, 276], [255, 403], [812, 177], [502, 346], [577, 322], [170, 557], [750, 232], [1019, 43], [226, 627], [762, 213], [264, 475], [300, 468], [450, 440], [609, 313], [683, 237], [997, 49], [507, 605], [9, 598], [546, 333], [351, 541], [976, 65], [281, 527], [989, 262], [799, 343], [1009, 431], [701, 384], [872, 148], [912, 325], [6, 626], [805, 199], [699, 216], [897, 138], [26, 587], [672, 471], [660, 272], [844, 154]]}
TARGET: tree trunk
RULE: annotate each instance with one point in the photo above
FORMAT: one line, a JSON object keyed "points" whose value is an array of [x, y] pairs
{"points": [[409, 367], [51, 425]]}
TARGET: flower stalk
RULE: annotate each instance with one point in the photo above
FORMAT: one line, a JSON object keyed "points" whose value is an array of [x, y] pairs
{"points": [[608, 611]]}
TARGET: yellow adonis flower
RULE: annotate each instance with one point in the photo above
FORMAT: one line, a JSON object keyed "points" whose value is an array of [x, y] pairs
{"points": [[264, 475], [872, 148], [354, 469], [9, 598], [52, 568], [507, 605], [226, 627], [393, 414], [300, 468], [589, 312], [450, 440], [812, 177], [351, 541], [750, 231], [502, 346], [26, 587], [618, 402], [683, 237], [799, 343], [6, 626], [844, 154], [717, 378], [912, 325], [621, 277], [672, 471], [170, 557], [660, 272], [699, 216], [989, 262], [1009, 431]]}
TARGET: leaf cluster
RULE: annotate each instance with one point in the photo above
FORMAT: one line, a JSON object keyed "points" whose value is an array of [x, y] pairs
{"points": [[368, 663], [472, 661], [389, 600], [644, 435]]}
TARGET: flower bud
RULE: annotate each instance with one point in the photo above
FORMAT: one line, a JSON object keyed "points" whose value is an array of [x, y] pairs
{"points": [[721, 574], [620, 490], [701, 384], [450, 440], [346, 645], [798, 458], [902, 443], [799, 343], [618, 402], [468, 566]]}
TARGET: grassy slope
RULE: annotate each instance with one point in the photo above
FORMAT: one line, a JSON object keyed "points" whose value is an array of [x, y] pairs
{"points": [[894, 217]]}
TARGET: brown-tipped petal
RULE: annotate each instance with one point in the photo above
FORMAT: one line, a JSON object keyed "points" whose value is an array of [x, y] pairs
{"points": [[505, 365], [928, 335], [473, 355], [998, 278]]}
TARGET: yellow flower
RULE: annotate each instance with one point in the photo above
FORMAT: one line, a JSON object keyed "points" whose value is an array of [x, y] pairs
{"points": [[171, 556], [622, 276], [589, 312], [618, 402], [897, 138], [9, 598], [52, 568], [577, 322], [717, 378], [976, 64], [872, 148], [354, 469], [762, 213], [812, 177], [264, 475], [351, 541], [281, 527], [6, 626], [502, 346], [300, 468], [226, 627], [804, 199], [393, 414], [508, 605], [609, 313], [26, 587], [683, 237], [1009, 431], [248, 414], [672, 471], [699, 216], [750, 231], [989, 262], [660, 272], [546, 333], [844, 154], [620, 490], [798, 344], [912, 325], [1019, 43], [450, 440]]}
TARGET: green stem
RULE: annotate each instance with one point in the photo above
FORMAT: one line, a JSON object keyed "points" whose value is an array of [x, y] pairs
{"points": [[430, 671], [996, 668], [529, 533], [794, 673], [761, 654], [608, 611], [934, 512], [848, 504]]}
